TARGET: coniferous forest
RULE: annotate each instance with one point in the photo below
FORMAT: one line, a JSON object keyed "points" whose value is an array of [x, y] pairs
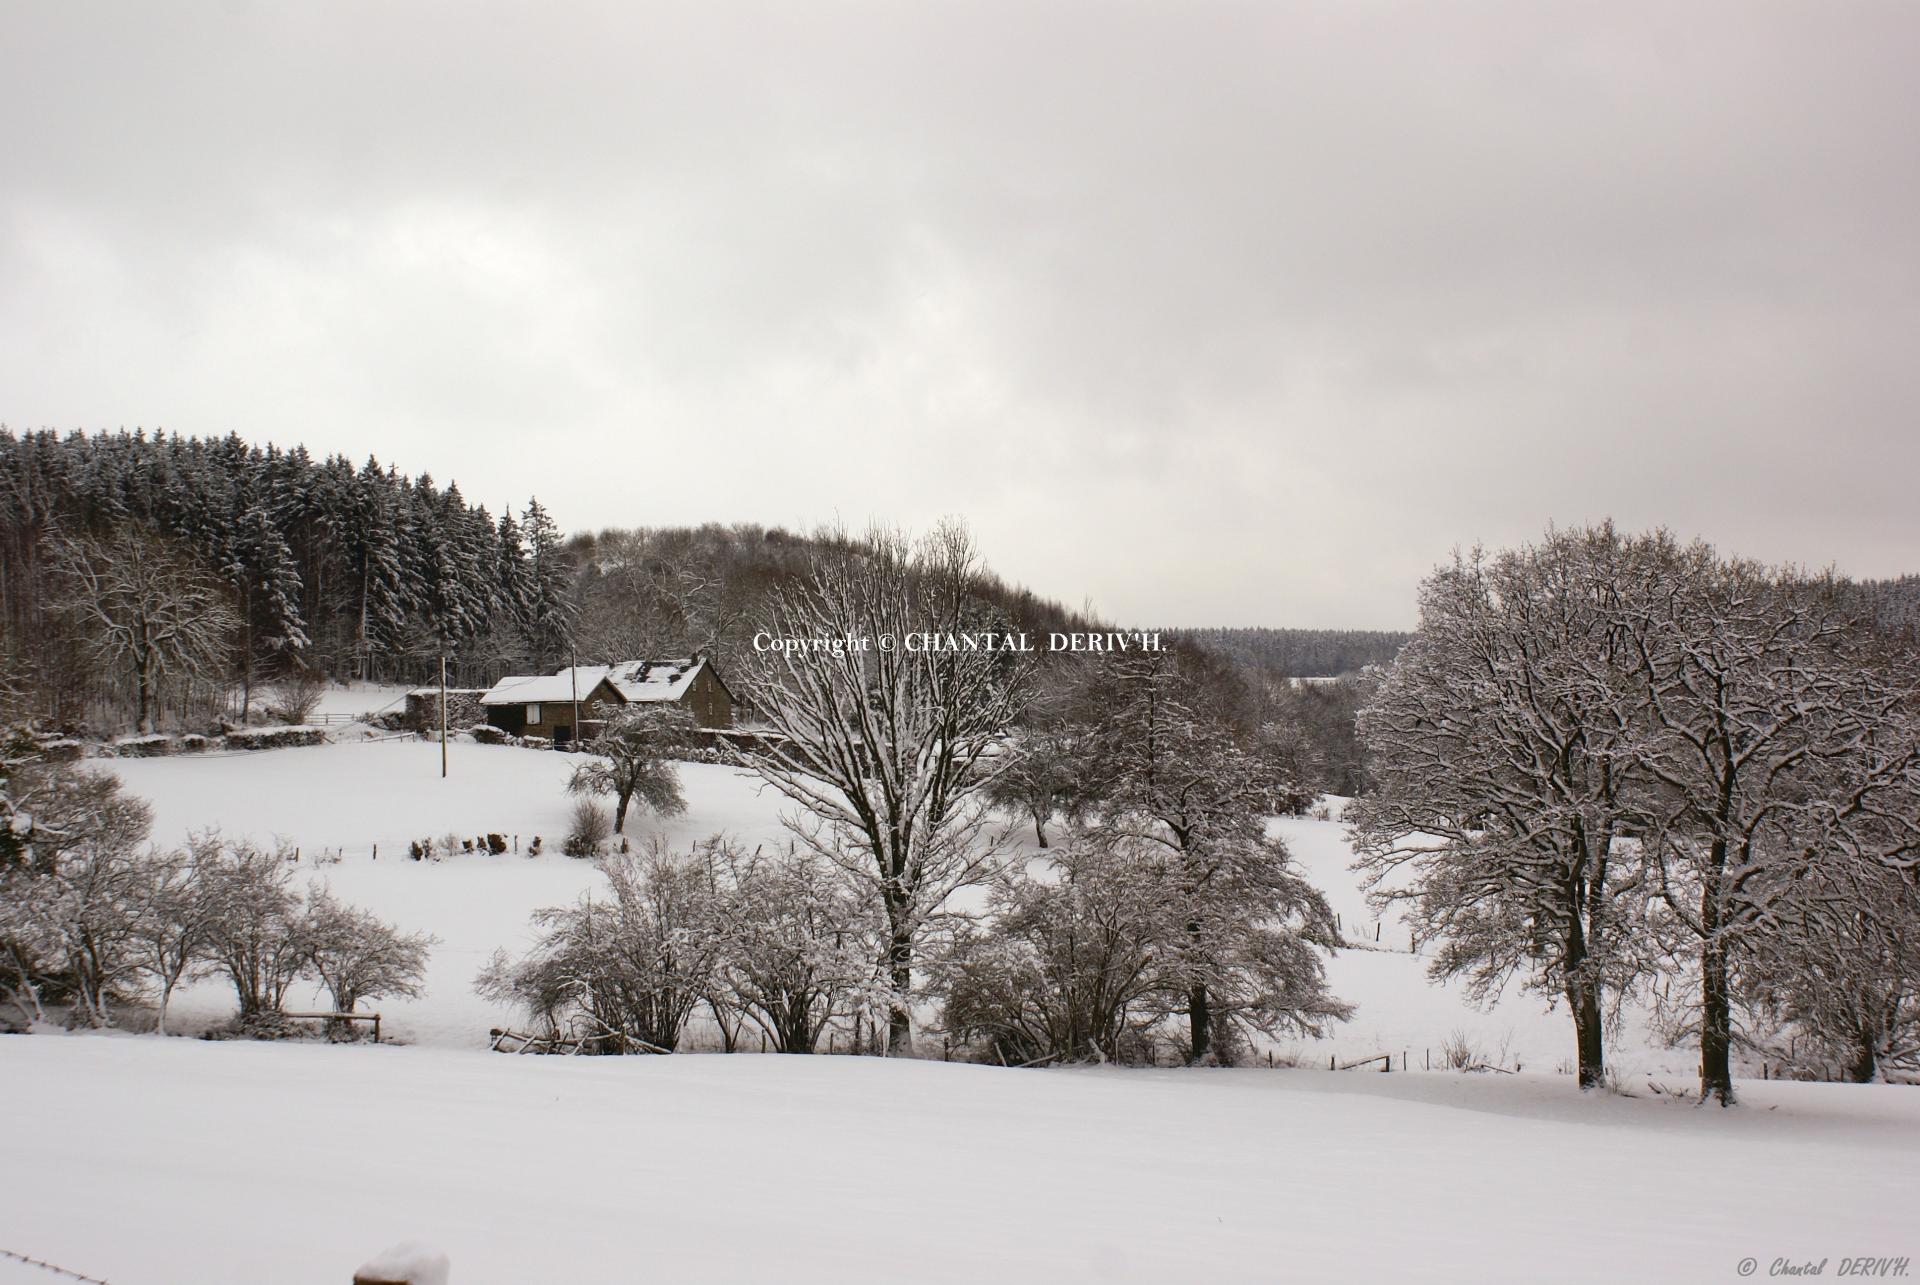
{"points": [[300, 563]]}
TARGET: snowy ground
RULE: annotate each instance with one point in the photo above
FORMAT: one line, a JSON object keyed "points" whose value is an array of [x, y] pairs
{"points": [[250, 1163], [238, 1162], [352, 700]]}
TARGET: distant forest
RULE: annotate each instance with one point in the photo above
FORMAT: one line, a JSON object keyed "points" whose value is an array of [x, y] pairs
{"points": [[1300, 653], [157, 579], [1895, 605]]}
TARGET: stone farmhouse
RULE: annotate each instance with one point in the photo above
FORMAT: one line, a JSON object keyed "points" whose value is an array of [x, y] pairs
{"points": [[543, 704]]}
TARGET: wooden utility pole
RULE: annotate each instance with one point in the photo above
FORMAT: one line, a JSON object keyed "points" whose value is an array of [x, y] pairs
{"points": [[573, 675], [443, 716]]}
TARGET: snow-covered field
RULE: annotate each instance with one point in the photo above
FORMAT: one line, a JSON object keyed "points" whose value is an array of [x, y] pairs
{"points": [[177, 1162], [240, 1162]]}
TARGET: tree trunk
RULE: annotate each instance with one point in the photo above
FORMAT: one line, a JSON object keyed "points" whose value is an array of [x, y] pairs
{"points": [[729, 1031], [1199, 1024], [620, 811], [1716, 1026], [1716, 998], [1040, 829], [143, 684], [1866, 1060], [900, 971], [1583, 1001]]}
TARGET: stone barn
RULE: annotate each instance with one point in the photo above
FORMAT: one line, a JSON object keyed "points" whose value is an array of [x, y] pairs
{"points": [[543, 704]]}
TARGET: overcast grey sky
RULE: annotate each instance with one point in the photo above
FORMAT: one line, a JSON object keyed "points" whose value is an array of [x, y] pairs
{"points": [[1210, 313]]}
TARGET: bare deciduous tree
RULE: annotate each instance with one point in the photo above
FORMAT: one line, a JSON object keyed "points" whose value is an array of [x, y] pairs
{"points": [[1780, 740], [145, 609], [171, 924], [357, 956], [1183, 786], [883, 741], [1499, 745], [632, 759]]}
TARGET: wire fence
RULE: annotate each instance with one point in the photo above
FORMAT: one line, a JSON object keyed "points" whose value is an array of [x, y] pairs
{"points": [[65, 1273]]}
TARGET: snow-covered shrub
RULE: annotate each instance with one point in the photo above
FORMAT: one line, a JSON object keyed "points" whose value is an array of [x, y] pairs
{"points": [[194, 743], [1458, 1052], [72, 889], [1068, 965], [488, 734], [537, 742], [792, 949], [264, 1025], [355, 955], [622, 968], [591, 828], [296, 696], [255, 936]]}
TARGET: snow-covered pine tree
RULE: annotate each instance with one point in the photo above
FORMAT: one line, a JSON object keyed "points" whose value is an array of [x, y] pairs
{"points": [[513, 581], [549, 610]]}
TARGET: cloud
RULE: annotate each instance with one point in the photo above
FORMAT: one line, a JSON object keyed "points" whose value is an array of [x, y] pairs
{"points": [[1236, 313]]}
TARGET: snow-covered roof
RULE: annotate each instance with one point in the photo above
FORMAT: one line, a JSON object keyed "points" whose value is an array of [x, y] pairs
{"points": [[655, 680], [634, 681]]}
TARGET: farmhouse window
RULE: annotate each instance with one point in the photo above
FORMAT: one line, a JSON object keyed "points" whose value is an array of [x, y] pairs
{"points": [[533, 713]]}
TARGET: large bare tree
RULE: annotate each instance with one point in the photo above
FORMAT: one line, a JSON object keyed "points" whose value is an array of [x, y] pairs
{"points": [[882, 727], [1605, 754], [1500, 744], [145, 610], [1782, 754]]}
